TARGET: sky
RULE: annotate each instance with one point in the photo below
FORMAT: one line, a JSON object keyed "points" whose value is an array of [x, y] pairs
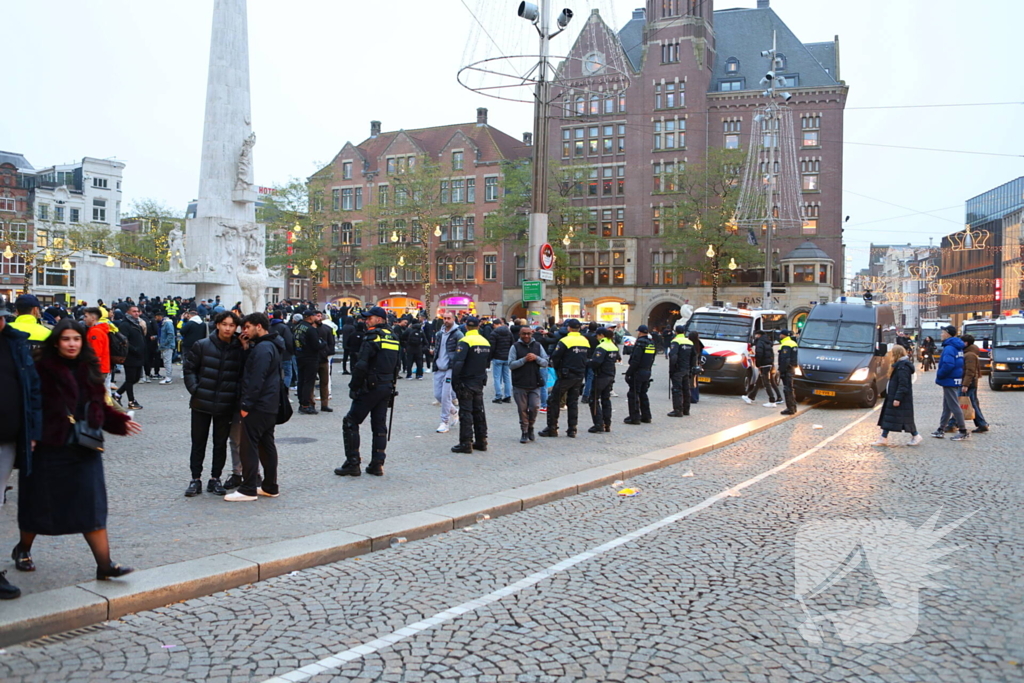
{"points": [[126, 79]]}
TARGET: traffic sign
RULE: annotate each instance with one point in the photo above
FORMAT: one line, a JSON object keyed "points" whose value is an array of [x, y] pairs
{"points": [[533, 290], [547, 275], [547, 257]]}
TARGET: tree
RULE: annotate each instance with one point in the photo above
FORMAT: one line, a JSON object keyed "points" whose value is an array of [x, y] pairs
{"points": [[295, 214], [510, 223], [700, 221]]}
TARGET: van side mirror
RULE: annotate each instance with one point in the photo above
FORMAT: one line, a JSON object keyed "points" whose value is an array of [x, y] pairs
{"points": [[881, 352]]}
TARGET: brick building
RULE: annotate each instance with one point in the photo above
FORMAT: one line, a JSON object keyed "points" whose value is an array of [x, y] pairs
{"points": [[16, 224], [692, 82], [464, 274]]}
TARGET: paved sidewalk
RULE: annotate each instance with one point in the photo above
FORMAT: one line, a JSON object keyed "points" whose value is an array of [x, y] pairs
{"points": [[152, 524]]}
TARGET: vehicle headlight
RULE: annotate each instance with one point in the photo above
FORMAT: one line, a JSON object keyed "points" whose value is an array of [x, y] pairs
{"points": [[859, 375], [737, 358], [798, 372], [1002, 366]]}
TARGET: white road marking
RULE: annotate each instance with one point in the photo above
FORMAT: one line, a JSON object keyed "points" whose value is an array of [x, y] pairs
{"points": [[307, 672]]}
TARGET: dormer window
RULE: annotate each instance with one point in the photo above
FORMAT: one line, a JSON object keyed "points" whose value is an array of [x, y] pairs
{"points": [[732, 65]]}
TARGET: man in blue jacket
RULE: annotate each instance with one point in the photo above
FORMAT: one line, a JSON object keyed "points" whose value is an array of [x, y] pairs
{"points": [[949, 376]]}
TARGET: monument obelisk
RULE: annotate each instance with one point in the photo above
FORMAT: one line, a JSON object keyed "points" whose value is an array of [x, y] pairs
{"points": [[225, 249]]}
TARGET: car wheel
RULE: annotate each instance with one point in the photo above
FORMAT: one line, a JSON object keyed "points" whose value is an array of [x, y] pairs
{"points": [[994, 385], [747, 383], [870, 396]]}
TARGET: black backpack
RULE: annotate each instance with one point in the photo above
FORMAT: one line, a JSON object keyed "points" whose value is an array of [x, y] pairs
{"points": [[118, 346]]}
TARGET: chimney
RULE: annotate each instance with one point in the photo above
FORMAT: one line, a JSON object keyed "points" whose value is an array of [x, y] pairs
{"points": [[763, 4], [640, 13], [481, 116], [528, 139], [374, 129]]}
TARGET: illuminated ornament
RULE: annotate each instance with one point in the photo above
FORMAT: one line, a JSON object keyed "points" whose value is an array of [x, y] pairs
{"points": [[566, 241], [394, 235], [437, 231], [711, 251], [393, 273], [401, 260], [295, 270], [66, 265], [8, 253], [697, 226], [48, 255], [732, 264], [297, 228], [359, 274], [110, 262], [312, 265]]}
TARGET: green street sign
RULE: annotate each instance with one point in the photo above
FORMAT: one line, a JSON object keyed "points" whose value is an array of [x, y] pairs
{"points": [[533, 290]]}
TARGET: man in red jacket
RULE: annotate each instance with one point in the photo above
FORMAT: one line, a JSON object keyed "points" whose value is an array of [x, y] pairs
{"points": [[99, 340]]}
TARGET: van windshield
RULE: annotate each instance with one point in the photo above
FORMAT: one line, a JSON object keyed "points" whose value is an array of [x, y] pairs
{"points": [[724, 327], [838, 335], [1010, 336], [980, 332]]}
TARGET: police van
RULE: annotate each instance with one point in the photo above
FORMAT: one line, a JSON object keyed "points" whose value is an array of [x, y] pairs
{"points": [[1007, 353], [983, 332], [727, 333], [843, 350]]}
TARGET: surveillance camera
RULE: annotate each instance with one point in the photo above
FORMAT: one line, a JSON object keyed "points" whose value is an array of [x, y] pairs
{"points": [[770, 75], [564, 18], [787, 96], [766, 53], [529, 11]]}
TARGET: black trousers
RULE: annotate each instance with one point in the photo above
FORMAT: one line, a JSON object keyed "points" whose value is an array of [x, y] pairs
{"points": [[323, 372], [636, 397], [375, 404], [787, 390], [601, 401], [570, 388], [307, 379], [258, 448], [344, 359], [414, 356], [681, 392], [132, 375], [200, 435], [764, 379], [472, 419]]}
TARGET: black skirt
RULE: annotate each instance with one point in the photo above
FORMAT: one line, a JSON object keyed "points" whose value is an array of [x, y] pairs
{"points": [[65, 494]]}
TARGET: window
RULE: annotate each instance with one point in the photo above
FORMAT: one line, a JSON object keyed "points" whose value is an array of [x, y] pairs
{"points": [[490, 266], [382, 195], [581, 105], [99, 210], [595, 105], [592, 147], [566, 149], [335, 199], [788, 81], [347, 234], [662, 269], [670, 53], [55, 277], [391, 166], [457, 229], [458, 191], [621, 180], [732, 130], [810, 183], [732, 65], [656, 222], [346, 199], [8, 204], [382, 232], [75, 215], [43, 212], [622, 104], [812, 138], [810, 214], [346, 170], [490, 189], [470, 190], [401, 196], [578, 148], [810, 126], [470, 228], [335, 234], [58, 213], [457, 161], [592, 183], [668, 95], [608, 146], [318, 201], [401, 165], [803, 273], [359, 198], [12, 266], [669, 8], [665, 179], [100, 183], [726, 86], [17, 232], [809, 169], [445, 192], [607, 180], [609, 103]]}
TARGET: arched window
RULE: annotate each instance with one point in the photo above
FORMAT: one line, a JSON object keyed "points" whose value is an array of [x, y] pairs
{"points": [[732, 65], [440, 268], [581, 105], [471, 268], [595, 105], [460, 268]]}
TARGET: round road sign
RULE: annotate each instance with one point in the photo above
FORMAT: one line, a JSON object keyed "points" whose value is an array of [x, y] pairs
{"points": [[547, 257]]}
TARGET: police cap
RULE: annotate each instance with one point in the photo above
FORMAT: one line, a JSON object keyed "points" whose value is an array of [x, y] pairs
{"points": [[471, 321], [377, 311], [572, 323]]}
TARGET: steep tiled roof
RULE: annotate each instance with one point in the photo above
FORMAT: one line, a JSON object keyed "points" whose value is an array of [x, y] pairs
{"points": [[17, 160]]}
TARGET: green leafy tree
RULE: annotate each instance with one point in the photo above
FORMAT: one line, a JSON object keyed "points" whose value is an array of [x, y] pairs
{"points": [[700, 221], [296, 214]]}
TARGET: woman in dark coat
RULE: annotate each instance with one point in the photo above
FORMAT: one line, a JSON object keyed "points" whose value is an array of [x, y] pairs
{"points": [[65, 493], [898, 410]]}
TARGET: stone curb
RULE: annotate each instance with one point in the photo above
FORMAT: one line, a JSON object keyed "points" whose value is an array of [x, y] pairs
{"points": [[73, 607]]}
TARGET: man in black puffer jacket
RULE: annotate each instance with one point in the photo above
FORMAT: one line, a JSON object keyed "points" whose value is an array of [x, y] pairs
{"points": [[501, 342], [213, 370]]}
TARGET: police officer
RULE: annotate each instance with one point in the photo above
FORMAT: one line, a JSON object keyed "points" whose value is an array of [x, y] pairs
{"points": [[602, 364], [681, 363], [372, 390], [469, 377], [28, 320], [307, 356], [787, 361], [569, 359], [638, 377]]}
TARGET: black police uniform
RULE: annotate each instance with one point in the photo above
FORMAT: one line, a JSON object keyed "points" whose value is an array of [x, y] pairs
{"points": [[307, 357], [469, 377], [681, 362], [787, 362], [371, 389], [602, 363], [569, 359], [638, 377]]}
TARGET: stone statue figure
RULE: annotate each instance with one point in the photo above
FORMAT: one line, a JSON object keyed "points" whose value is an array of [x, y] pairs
{"points": [[231, 248], [244, 170], [176, 249], [252, 278], [255, 241], [685, 313]]}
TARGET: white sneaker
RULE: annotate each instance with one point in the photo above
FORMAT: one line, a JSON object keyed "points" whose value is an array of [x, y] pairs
{"points": [[747, 400], [435, 403], [880, 441], [916, 440], [770, 405], [442, 428], [454, 421], [238, 497], [166, 381]]}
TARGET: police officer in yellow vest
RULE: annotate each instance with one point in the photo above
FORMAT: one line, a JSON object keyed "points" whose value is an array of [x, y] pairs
{"points": [[171, 306], [681, 363], [638, 377], [787, 365], [603, 363], [372, 389], [27, 308], [569, 359], [469, 377]]}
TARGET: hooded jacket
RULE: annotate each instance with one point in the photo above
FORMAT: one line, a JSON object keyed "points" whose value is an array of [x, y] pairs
{"points": [[950, 372], [261, 379], [972, 365], [30, 397], [900, 388]]}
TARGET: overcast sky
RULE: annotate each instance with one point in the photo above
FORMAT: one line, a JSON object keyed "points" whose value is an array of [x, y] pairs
{"points": [[127, 79]]}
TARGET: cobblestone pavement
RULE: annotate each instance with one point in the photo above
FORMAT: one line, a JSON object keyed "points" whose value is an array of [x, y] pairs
{"points": [[707, 597], [152, 524]]}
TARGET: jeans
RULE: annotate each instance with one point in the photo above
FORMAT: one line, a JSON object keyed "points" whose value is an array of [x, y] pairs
{"points": [[502, 378], [951, 409], [444, 394], [131, 377], [979, 419], [544, 395], [588, 382], [764, 376], [288, 367], [167, 355], [200, 435], [258, 448]]}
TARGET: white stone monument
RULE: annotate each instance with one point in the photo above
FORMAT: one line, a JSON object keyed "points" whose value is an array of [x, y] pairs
{"points": [[224, 246]]}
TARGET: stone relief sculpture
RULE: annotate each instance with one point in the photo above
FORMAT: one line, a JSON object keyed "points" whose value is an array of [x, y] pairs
{"points": [[176, 249], [255, 241], [229, 238], [244, 170], [252, 278]]}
